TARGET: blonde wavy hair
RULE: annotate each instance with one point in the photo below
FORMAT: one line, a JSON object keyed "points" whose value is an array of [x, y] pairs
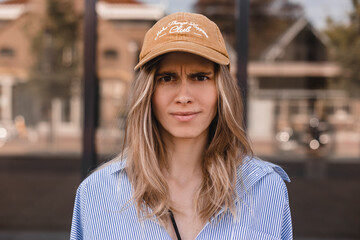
{"points": [[146, 152]]}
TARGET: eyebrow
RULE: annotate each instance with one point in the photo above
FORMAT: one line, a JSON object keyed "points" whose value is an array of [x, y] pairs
{"points": [[166, 74], [200, 73], [190, 75]]}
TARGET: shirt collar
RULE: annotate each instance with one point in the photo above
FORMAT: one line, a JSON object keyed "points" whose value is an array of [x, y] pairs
{"points": [[117, 165], [251, 170]]}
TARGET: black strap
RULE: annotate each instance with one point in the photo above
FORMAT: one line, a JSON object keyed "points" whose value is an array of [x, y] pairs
{"points": [[174, 225]]}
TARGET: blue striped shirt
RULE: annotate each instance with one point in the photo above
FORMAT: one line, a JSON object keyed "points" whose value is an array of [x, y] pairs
{"points": [[262, 206]]}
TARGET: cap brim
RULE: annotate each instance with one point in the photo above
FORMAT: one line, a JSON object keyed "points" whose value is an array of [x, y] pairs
{"points": [[190, 47]]}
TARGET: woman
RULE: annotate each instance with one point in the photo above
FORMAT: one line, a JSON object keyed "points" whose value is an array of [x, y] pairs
{"points": [[186, 171]]}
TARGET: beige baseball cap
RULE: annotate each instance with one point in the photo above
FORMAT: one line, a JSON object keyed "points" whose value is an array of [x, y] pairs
{"points": [[184, 32]]}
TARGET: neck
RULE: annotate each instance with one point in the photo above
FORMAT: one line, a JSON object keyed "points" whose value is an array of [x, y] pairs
{"points": [[185, 157]]}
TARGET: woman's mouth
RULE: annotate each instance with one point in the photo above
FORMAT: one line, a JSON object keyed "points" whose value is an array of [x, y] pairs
{"points": [[184, 116]]}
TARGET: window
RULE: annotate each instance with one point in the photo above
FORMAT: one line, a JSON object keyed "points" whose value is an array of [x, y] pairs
{"points": [[110, 54], [7, 52]]}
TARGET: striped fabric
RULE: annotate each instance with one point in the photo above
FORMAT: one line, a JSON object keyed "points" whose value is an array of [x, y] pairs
{"points": [[102, 210]]}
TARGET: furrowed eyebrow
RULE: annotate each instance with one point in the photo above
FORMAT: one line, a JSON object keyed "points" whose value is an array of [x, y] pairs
{"points": [[200, 73], [172, 74]]}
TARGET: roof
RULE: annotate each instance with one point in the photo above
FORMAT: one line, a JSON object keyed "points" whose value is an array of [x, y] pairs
{"points": [[12, 9], [263, 34], [120, 10], [274, 50], [107, 1], [14, 2], [121, 1]]}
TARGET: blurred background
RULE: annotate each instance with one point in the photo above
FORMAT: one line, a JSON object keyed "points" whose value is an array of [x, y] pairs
{"points": [[303, 102]]}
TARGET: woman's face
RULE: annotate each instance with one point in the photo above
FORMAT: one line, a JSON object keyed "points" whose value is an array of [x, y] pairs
{"points": [[185, 97]]}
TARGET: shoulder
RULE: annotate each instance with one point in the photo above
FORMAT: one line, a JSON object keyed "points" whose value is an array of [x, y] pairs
{"points": [[263, 198], [258, 175], [106, 185], [105, 176], [102, 201]]}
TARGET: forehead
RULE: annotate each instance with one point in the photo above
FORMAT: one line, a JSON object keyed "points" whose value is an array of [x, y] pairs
{"points": [[171, 61]]}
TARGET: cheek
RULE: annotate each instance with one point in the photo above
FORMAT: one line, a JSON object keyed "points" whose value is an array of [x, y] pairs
{"points": [[212, 99], [157, 102], [154, 105], [214, 107]]}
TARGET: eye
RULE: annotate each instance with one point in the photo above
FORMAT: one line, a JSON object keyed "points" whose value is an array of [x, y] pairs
{"points": [[165, 78], [201, 77]]}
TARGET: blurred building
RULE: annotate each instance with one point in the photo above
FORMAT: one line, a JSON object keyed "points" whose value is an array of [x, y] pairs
{"points": [[289, 71], [14, 54], [290, 84], [122, 25], [290, 79]]}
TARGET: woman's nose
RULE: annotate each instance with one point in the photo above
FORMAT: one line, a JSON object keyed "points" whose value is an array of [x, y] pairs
{"points": [[183, 100], [184, 95]]}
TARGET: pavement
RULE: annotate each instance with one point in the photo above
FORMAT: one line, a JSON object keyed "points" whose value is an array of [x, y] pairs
{"points": [[34, 235]]}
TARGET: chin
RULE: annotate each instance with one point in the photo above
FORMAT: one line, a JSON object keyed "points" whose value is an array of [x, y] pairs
{"points": [[186, 134]]}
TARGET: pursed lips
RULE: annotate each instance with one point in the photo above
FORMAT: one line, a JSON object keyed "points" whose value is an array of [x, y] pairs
{"points": [[184, 116]]}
